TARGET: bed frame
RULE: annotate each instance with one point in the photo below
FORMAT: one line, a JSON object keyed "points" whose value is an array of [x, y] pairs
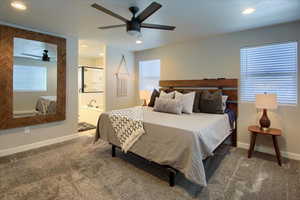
{"points": [[228, 87]]}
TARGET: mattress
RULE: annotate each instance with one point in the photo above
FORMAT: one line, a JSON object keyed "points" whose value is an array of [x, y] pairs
{"points": [[180, 141]]}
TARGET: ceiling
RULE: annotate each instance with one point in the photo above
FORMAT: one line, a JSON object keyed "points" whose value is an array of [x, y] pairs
{"points": [[193, 18]]}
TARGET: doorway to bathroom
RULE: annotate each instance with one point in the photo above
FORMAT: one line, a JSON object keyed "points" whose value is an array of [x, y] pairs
{"points": [[91, 82]]}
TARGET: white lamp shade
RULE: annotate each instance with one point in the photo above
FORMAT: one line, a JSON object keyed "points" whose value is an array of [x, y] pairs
{"points": [[266, 101]]}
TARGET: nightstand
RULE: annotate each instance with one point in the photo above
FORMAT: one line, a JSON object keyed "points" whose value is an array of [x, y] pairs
{"points": [[256, 130]]}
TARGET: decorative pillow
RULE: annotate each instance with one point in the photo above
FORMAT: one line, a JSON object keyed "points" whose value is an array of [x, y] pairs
{"points": [[211, 102], [154, 94], [187, 101], [224, 100], [165, 95], [196, 106], [168, 105]]}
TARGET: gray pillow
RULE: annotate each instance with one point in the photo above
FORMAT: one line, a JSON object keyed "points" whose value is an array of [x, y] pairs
{"points": [[196, 106], [155, 94], [211, 102], [168, 106]]}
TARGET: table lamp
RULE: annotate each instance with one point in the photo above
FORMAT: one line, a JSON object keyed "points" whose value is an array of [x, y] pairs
{"points": [[145, 96], [265, 101]]}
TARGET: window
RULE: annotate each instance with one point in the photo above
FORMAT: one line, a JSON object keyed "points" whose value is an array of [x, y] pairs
{"points": [[29, 78], [149, 74], [270, 69]]}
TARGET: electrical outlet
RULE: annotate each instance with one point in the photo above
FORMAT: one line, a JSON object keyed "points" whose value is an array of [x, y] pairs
{"points": [[27, 130]]}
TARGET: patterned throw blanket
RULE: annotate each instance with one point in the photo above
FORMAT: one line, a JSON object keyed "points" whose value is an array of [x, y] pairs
{"points": [[128, 126]]}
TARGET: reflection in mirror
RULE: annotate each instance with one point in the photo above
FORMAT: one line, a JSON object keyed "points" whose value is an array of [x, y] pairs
{"points": [[34, 78]]}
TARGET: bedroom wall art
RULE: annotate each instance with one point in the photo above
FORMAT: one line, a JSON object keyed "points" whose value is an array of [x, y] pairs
{"points": [[122, 77]]}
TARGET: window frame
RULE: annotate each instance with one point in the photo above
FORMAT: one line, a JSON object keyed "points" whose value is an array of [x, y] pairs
{"points": [[297, 71], [149, 60]]}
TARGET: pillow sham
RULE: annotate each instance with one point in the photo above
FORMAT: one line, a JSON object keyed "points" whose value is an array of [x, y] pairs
{"points": [[168, 106], [196, 105], [224, 100], [165, 95], [154, 94], [187, 101], [211, 102]]}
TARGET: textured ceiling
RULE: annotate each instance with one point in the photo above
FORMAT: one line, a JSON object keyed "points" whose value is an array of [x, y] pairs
{"points": [[193, 18]]}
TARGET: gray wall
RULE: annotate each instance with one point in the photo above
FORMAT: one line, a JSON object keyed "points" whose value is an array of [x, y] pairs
{"points": [[219, 56], [16, 137]]}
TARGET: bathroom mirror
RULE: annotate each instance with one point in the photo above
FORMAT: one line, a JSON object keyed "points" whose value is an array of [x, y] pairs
{"points": [[32, 78]]}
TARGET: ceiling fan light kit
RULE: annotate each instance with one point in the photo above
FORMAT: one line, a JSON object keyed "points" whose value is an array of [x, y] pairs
{"points": [[133, 26]]}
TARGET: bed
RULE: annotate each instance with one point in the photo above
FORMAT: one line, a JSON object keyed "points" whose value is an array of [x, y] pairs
{"points": [[180, 142]]}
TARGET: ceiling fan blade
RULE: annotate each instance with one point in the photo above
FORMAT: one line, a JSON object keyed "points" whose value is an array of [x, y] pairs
{"points": [[157, 26], [113, 26], [152, 8], [98, 7]]}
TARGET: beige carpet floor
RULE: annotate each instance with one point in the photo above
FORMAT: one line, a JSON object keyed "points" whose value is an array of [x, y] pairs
{"points": [[78, 169]]}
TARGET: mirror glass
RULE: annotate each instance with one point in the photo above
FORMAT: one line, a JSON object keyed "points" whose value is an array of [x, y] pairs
{"points": [[34, 78]]}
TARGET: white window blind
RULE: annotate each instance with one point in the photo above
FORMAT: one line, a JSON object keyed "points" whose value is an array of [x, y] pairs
{"points": [[149, 74], [29, 78], [270, 69]]}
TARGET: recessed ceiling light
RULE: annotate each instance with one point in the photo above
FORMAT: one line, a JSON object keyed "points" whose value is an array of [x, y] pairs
{"points": [[18, 5], [248, 11], [139, 41], [84, 46]]}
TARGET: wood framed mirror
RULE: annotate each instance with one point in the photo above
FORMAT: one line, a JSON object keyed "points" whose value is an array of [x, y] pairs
{"points": [[32, 78]]}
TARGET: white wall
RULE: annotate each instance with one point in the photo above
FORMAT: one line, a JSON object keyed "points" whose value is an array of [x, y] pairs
{"points": [[219, 56], [16, 137], [91, 61], [112, 62]]}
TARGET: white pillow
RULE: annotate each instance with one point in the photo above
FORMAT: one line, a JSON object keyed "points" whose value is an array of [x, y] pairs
{"points": [[224, 99], [187, 101], [164, 95]]}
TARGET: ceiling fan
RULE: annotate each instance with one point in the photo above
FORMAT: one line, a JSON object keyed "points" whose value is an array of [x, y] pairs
{"points": [[44, 57], [134, 25]]}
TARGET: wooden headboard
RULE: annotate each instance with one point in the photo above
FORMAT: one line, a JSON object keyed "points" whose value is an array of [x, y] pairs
{"points": [[229, 87]]}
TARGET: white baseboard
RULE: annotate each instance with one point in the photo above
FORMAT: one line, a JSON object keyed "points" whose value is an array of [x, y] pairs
{"points": [[269, 150], [10, 151]]}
